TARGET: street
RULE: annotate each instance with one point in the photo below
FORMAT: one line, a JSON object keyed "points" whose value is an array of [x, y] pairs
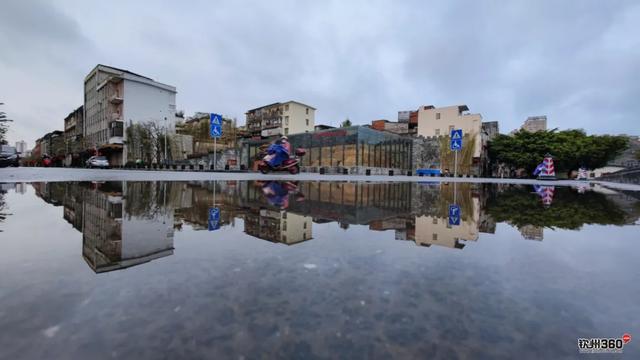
{"points": [[30, 174]]}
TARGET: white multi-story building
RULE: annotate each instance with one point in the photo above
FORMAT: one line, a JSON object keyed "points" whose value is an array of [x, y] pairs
{"points": [[21, 146], [116, 98], [285, 118]]}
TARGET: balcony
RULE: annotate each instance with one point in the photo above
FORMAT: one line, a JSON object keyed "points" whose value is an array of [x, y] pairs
{"points": [[116, 98], [271, 124], [116, 117], [116, 132]]}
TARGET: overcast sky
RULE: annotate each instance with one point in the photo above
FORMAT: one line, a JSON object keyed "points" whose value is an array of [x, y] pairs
{"points": [[578, 62]]}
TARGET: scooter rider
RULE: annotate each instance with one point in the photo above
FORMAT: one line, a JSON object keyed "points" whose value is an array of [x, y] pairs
{"points": [[278, 152]]}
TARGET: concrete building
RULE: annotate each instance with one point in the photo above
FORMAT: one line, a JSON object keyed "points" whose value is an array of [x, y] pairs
{"points": [[279, 226], [116, 98], [278, 119], [535, 124], [434, 121], [73, 127], [52, 144], [490, 130], [114, 238], [409, 117], [399, 128], [436, 230], [21, 147]]}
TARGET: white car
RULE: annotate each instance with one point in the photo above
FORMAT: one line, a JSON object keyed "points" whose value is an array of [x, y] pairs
{"points": [[98, 162]]}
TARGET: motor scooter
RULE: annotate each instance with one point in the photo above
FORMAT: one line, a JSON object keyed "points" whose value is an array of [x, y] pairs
{"points": [[292, 164]]}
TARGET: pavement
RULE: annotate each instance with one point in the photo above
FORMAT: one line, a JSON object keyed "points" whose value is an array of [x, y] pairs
{"points": [[35, 174]]}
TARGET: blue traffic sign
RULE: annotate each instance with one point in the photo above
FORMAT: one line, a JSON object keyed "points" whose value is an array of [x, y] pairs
{"points": [[454, 215], [456, 139], [215, 125], [214, 219]]}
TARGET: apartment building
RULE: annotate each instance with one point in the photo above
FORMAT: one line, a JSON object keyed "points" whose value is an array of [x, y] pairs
{"points": [[116, 98], [21, 146], [434, 121], [410, 117], [278, 119], [535, 124], [73, 127]]}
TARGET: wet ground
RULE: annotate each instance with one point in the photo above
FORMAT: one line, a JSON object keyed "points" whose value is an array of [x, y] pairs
{"points": [[266, 269]]}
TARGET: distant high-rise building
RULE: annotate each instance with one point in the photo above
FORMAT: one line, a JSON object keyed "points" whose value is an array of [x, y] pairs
{"points": [[535, 124], [21, 146]]}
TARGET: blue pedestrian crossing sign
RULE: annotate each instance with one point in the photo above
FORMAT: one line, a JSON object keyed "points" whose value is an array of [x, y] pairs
{"points": [[215, 125], [456, 139], [454, 215], [214, 219]]}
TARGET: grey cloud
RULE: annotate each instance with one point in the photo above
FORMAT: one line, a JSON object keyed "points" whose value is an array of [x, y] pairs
{"points": [[576, 61]]}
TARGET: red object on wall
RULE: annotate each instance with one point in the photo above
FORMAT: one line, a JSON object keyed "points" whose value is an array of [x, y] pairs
{"points": [[413, 118], [378, 124]]}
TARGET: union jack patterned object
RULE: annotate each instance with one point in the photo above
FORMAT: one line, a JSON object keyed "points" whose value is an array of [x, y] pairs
{"points": [[548, 172]]}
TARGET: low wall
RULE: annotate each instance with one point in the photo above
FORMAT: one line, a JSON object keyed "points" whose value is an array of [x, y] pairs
{"points": [[354, 170], [628, 176]]}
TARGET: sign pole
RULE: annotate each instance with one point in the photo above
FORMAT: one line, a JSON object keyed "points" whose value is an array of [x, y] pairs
{"points": [[215, 131], [455, 193], [455, 164]]}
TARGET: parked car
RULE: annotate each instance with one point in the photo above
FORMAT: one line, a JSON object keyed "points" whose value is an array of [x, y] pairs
{"points": [[97, 162], [9, 156]]}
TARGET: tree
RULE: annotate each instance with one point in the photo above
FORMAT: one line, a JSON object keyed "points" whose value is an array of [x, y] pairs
{"points": [[570, 209], [3, 215], [3, 133], [571, 149], [346, 123], [4, 128]]}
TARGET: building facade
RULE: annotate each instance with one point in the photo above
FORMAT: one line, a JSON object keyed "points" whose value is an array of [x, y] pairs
{"points": [[279, 119], [115, 98], [21, 146], [410, 117], [73, 128], [356, 149], [535, 124], [438, 122]]}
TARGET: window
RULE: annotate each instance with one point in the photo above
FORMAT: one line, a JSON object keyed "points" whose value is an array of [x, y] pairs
{"points": [[437, 116], [307, 121], [435, 237], [437, 132], [304, 226], [286, 120], [435, 221], [286, 107], [307, 111], [286, 131]]}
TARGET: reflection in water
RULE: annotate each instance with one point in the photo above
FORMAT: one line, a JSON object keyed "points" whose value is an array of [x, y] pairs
{"points": [[129, 223], [3, 206]]}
